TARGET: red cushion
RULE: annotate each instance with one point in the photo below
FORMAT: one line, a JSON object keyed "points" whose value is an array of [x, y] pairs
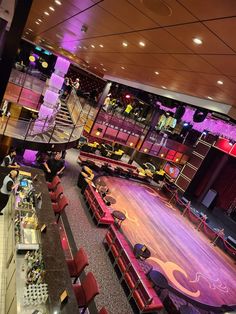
{"points": [[129, 281], [80, 295], [72, 267]]}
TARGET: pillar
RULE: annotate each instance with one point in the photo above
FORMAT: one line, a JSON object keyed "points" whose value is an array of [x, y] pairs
{"points": [[48, 109], [12, 40]]}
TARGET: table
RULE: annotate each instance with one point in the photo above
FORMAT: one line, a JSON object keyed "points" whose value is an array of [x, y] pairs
{"points": [[99, 182], [158, 279], [109, 199], [140, 253], [119, 217]]}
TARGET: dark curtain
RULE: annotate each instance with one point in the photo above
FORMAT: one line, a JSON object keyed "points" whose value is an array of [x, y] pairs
{"points": [[225, 185]]}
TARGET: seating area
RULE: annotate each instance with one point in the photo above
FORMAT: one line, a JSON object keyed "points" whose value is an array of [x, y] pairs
{"points": [[137, 286], [99, 210]]}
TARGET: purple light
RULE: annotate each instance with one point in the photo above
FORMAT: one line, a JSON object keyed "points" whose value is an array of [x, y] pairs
{"points": [[50, 98], [45, 111], [29, 155], [56, 81], [62, 65]]}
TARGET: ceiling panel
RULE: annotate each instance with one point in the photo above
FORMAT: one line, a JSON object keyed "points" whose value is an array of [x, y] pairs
{"points": [[208, 9], [167, 30], [223, 28], [211, 44]]}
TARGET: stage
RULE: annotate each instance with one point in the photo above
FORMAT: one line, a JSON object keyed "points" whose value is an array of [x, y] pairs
{"points": [[184, 255]]}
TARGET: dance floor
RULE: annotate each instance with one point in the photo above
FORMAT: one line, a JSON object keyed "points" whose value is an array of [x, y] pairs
{"points": [[185, 256]]}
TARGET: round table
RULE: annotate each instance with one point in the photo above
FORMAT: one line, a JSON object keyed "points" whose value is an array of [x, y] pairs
{"points": [[99, 182], [140, 253], [158, 279], [109, 199], [119, 217], [103, 190]]}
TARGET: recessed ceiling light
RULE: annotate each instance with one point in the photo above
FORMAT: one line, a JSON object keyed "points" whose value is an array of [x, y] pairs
{"points": [[125, 44], [101, 46], [46, 13], [58, 2], [101, 64], [85, 47], [27, 33], [40, 20], [209, 97], [164, 87], [122, 68], [79, 47], [142, 44], [30, 30], [92, 46], [220, 82], [37, 23], [197, 41], [156, 72], [51, 8], [104, 70], [95, 68]]}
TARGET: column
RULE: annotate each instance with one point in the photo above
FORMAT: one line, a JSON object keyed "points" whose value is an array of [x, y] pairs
{"points": [[48, 109], [12, 41]]}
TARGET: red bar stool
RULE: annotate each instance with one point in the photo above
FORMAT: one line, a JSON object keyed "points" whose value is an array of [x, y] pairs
{"points": [[103, 311], [52, 185], [59, 206], [86, 292], [57, 193], [77, 264]]}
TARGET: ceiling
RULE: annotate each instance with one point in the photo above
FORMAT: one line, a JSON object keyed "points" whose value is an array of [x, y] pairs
{"points": [[167, 29]]}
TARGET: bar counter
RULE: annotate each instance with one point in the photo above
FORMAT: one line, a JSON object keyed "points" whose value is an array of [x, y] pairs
{"points": [[56, 272]]}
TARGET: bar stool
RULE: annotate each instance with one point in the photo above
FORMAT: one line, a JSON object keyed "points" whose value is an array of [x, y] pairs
{"points": [[55, 195], [77, 264], [52, 185], [59, 206], [86, 292]]}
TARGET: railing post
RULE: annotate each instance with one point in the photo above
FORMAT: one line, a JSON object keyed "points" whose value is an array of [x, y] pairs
{"points": [[28, 128], [71, 133], [44, 123], [8, 118], [52, 133]]}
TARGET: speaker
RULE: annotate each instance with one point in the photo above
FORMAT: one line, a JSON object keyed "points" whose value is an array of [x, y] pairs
{"points": [[200, 115], [209, 198], [180, 111]]}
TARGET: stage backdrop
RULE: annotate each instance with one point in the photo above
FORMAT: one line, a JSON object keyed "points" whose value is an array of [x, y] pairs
{"points": [[218, 172]]}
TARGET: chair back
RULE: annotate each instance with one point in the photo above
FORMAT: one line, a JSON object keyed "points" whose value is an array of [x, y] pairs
{"points": [[56, 180], [59, 191], [90, 287], [62, 203], [81, 260]]}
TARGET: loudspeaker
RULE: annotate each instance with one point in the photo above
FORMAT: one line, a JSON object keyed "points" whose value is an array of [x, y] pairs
{"points": [[200, 115], [209, 198], [180, 111]]}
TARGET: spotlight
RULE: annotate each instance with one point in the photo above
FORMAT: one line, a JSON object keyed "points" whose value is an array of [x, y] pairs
{"points": [[131, 144], [231, 143], [127, 96], [205, 132], [145, 150], [185, 123]]}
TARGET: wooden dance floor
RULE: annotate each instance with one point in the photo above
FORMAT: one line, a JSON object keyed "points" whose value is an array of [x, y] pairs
{"points": [[184, 255]]}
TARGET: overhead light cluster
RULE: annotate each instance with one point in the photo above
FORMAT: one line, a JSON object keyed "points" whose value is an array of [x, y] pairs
{"points": [[197, 41], [58, 2]]}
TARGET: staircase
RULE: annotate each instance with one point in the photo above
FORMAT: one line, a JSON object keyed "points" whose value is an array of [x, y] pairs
{"points": [[63, 116]]}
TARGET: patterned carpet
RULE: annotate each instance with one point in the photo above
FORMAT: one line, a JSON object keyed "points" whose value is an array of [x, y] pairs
{"points": [[86, 234]]}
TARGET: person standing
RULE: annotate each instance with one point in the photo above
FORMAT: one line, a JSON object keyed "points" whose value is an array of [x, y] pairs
{"points": [[7, 187], [54, 166], [9, 160]]}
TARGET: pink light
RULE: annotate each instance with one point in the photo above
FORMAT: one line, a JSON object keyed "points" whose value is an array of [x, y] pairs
{"points": [[29, 155], [62, 65], [56, 81], [50, 97], [45, 111], [127, 96]]}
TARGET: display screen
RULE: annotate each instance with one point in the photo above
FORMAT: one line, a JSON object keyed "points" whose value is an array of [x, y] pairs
{"points": [[171, 170], [23, 183]]}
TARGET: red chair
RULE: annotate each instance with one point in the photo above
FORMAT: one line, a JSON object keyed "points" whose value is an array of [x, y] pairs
{"points": [[86, 292], [57, 193], [77, 264], [59, 206], [103, 311], [52, 185]]}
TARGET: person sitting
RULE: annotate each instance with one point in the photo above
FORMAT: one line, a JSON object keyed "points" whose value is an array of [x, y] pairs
{"points": [[9, 160], [7, 187], [54, 166]]}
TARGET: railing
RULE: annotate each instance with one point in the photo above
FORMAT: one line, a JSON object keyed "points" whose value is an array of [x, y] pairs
{"points": [[40, 131]]}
